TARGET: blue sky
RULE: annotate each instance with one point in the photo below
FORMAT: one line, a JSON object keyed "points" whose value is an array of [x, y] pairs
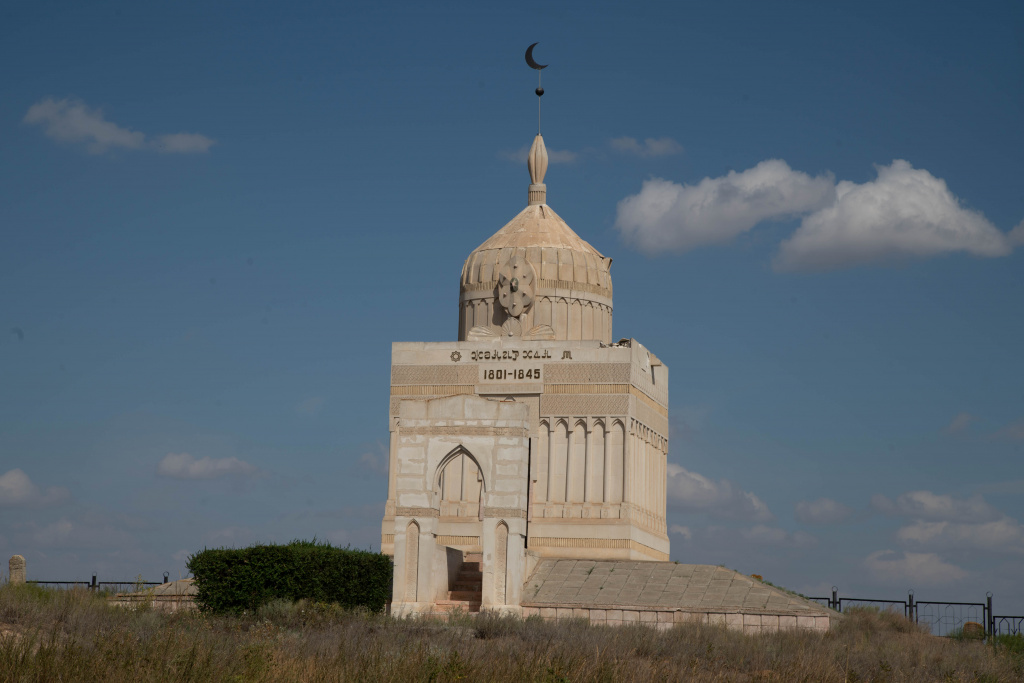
{"points": [[216, 218]]}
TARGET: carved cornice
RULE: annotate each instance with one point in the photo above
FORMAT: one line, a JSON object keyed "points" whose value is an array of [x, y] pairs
{"points": [[543, 287], [504, 512], [463, 430], [416, 512]]}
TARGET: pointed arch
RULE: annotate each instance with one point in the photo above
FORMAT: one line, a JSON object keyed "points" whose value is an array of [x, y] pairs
{"points": [[458, 451]]}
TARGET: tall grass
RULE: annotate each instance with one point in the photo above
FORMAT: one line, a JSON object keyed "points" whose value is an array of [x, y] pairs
{"points": [[75, 636]]}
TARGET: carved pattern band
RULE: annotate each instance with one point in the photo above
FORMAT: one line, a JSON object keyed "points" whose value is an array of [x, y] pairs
{"points": [[387, 538], [545, 285], [433, 374], [584, 404], [464, 430], [457, 540], [506, 513], [416, 512], [433, 390], [660, 409], [553, 542], [587, 373], [584, 388]]}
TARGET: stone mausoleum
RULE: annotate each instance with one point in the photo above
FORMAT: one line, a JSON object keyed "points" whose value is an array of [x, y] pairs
{"points": [[527, 465]]}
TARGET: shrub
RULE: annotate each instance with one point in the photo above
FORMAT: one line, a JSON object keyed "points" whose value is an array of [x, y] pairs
{"points": [[237, 580]]}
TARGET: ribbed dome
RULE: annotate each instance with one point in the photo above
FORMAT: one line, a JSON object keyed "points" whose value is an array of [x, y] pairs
{"points": [[537, 256]]}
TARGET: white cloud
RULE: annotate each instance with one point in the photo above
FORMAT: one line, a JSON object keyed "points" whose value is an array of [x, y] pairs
{"points": [[185, 466], [71, 120], [1003, 535], [960, 423], [673, 217], [1013, 431], [691, 491], [822, 512], [926, 505], [680, 530], [650, 147], [18, 490], [904, 213], [311, 406], [555, 156], [922, 569], [773, 535], [183, 143]]}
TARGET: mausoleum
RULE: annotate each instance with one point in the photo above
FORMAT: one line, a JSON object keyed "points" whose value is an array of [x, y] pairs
{"points": [[528, 458]]}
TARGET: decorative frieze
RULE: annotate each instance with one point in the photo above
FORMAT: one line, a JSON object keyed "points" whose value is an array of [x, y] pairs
{"points": [[463, 430], [415, 512]]}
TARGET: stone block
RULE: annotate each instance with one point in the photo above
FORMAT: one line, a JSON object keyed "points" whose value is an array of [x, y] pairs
{"points": [[647, 617], [821, 623], [530, 612], [787, 622], [663, 627], [598, 616], [563, 612], [548, 612], [614, 615], [16, 566], [769, 622], [666, 618], [805, 622], [581, 613], [751, 619], [751, 630], [630, 616], [717, 619], [734, 621]]}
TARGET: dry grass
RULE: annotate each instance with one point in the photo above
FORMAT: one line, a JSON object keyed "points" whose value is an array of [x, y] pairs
{"points": [[75, 636]]}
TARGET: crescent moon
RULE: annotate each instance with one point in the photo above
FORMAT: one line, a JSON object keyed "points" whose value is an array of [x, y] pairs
{"points": [[531, 61]]}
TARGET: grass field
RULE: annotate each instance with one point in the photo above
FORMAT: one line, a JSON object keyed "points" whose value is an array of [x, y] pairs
{"points": [[75, 636]]}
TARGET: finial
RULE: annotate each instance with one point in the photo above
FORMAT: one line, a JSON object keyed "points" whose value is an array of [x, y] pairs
{"points": [[537, 161]]}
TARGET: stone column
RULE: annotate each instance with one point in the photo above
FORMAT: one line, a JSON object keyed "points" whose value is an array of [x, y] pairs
{"points": [[17, 567], [606, 494], [588, 464]]}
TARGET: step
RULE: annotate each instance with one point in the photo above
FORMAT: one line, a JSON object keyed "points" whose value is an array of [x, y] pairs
{"points": [[470, 575], [467, 586], [473, 557], [445, 606], [471, 595]]}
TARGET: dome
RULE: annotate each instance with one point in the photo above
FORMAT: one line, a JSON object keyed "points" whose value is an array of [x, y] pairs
{"points": [[536, 278]]}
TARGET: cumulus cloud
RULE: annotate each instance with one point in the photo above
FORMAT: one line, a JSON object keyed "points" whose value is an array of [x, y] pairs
{"points": [[555, 156], [667, 216], [680, 530], [922, 569], [691, 491], [650, 147], [959, 423], [903, 213], [773, 535], [926, 505], [186, 466], [71, 120], [1003, 535], [822, 512], [18, 490], [1013, 431]]}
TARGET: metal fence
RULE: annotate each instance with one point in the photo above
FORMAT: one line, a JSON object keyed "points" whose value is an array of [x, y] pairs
{"points": [[108, 586], [943, 618]]}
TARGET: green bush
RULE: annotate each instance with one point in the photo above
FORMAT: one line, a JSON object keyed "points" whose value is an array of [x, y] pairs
{"points": [[237, 580]]}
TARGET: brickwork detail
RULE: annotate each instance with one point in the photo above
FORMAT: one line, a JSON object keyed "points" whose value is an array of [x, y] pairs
{"points": [[607, 404], [433, 374], [587, 373], [457, 540], [463, 430]]}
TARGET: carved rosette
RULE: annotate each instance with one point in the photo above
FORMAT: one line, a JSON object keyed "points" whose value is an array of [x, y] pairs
{"points": [[516, 281]]}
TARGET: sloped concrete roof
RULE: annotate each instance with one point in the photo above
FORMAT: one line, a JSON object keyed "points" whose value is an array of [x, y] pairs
{"points": [[657, 585]]}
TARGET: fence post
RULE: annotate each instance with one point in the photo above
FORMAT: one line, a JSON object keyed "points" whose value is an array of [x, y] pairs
{"points": [[990, 623], [835, 600], [167, 577], [92, 586], [911, 608]]}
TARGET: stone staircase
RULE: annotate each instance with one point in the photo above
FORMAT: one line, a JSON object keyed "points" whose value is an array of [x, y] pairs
{"points": [[467, 591]]}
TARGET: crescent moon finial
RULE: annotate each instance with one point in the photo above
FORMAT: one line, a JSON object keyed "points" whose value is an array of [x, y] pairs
{"points": [[531, 61]]}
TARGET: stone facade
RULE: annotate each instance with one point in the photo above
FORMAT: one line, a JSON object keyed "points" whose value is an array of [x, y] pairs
{"points": [[532, 431]]}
